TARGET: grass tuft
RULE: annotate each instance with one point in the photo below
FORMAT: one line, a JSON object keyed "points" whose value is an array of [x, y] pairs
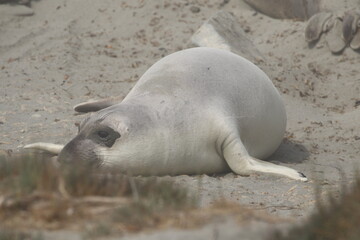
{"points": [[37, 192], [338, 219], [17, 235], [99, 230], [157, 200], [27, 173]]}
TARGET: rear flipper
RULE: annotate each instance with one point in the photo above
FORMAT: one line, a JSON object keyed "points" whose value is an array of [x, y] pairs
{"points": [[242, 163]]}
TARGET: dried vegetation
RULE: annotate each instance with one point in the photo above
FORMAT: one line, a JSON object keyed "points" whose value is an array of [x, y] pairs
{"points": [[335, 219], [35, 193]]}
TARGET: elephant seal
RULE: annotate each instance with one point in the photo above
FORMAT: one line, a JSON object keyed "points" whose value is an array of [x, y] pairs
{"points": [[200, 110]]}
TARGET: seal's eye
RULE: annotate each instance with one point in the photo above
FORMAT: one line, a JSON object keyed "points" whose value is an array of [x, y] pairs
{"points": [[103, 134]]}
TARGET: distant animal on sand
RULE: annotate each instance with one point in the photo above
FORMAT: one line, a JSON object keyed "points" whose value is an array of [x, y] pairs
{"points": [[340, 30]]}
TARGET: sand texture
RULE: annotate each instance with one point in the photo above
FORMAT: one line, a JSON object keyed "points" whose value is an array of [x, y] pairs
{"points": [[69, 52]]}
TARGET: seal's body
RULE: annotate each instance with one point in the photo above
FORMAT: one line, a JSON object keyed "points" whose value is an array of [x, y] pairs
{"points": [[200, 110]]}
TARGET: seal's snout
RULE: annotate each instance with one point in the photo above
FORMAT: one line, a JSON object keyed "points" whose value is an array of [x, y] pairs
{"points": [[79, 151], [82, 149]]}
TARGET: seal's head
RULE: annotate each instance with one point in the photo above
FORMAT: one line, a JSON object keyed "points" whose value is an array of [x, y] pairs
{"points": [[91, 136], [113, 136]]}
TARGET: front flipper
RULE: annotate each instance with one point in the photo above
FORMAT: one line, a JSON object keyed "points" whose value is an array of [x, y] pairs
{"points": [[94, 106], [242, 163], [46, 147]]}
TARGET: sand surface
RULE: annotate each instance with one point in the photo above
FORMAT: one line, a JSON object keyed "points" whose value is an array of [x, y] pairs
{"points": [[73, 51]]}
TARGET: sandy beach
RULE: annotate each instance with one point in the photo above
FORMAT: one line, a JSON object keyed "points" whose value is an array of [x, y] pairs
{"points": [[70, 52]]}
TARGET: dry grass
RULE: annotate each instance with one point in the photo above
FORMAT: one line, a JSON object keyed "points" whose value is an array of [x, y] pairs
{"points": [[16, 235], [337, 219], [34, 193], [28, 173]]}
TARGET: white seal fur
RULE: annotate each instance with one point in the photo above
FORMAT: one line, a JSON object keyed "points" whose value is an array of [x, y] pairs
{"points": [[200, 110]]}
